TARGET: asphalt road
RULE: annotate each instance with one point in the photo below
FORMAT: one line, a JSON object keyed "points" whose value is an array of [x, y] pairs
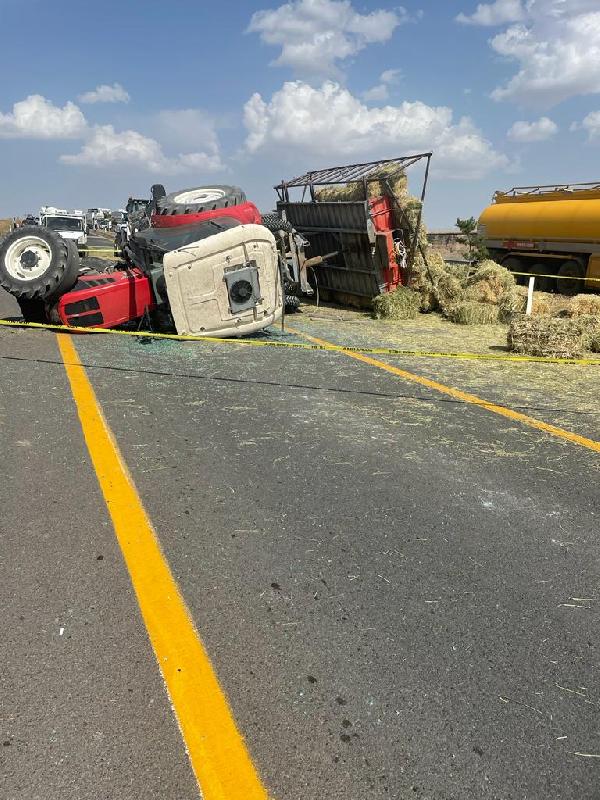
{"points": [[398, 591]]}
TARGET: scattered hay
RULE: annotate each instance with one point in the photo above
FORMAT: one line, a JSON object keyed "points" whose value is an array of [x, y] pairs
{"points": [[546, 336], [402, 303], [470, 312]]}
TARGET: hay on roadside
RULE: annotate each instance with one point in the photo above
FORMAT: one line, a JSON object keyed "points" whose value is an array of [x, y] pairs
{"points": [[489, 283], [470, 312], [402, 303], [582, 305], [552, 337]]}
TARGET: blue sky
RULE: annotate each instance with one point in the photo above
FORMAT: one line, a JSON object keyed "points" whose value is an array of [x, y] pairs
{"points": [[505, 93]]}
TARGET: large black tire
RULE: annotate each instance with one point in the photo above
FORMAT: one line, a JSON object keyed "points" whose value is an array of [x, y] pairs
{"points": [[32, 310], [571, 269], [199, 199], [36, 309], [542, 284], [70, 275], [292, 303], [515, 264], [33, 261], [275, 223]]}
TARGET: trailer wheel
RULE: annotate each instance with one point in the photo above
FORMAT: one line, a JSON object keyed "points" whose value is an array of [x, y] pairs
{"points": [[275, 223], [292, 303], [570, 269], [33, 261], [200, 199]]}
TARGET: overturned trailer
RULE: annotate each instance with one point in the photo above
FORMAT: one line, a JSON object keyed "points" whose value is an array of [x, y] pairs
{"points": [[362, 242]]}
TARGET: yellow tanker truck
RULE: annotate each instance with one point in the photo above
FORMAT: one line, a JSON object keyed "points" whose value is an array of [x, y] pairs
{"points": [[547, 230]]}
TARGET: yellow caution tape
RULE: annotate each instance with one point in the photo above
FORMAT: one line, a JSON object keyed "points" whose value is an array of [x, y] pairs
{"points": [[386, 351], [559, 277]]}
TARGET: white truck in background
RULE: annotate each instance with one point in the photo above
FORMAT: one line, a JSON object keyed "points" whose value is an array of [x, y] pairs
{"points": [[68, 224]]}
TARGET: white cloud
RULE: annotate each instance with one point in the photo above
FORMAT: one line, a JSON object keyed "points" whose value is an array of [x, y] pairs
{"points": [[498, 13], [107, 147], [390, 76], [106, 94], [380, 91], [314, 35], [557, 49], [331, 123], [590, 124], [38, 118], [377, 94], [538, 131]]}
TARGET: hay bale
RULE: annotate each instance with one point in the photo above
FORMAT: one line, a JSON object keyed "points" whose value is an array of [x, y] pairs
{"points": [[583, 305], [424, 279], [470, 312], [546, 336], [489, 283], [402, 303], [589, 325], [356, 191]]}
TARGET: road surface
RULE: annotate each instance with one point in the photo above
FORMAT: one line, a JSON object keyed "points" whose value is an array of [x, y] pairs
{"points": [[397, 588]]}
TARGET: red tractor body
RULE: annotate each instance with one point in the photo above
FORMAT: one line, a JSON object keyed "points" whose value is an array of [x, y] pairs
{"points": [[106, 299]]}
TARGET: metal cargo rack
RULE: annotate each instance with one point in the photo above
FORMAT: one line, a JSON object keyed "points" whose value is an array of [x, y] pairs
{"points": [[360, 268]]}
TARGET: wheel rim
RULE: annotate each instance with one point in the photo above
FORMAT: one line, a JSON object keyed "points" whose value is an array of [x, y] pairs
{"points": [[28, 259], [199, 196]]}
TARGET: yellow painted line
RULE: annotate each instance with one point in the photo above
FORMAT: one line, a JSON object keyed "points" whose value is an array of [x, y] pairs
{"points": [[218, 754], [465, 397], [249, 342]]}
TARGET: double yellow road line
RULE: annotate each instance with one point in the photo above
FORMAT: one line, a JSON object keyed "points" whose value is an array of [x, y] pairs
{"points": [[216, 749]]}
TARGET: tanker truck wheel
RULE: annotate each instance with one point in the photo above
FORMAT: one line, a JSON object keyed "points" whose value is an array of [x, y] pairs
{"points": [[514, 264], [570, 269], [541, 284], [33, 261]]}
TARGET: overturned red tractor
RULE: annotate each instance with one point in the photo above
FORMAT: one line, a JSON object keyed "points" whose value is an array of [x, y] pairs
{"points": [[197, 261]]}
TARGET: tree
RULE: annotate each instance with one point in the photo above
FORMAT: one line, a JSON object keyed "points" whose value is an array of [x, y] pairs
{"points": [[476, 250]]}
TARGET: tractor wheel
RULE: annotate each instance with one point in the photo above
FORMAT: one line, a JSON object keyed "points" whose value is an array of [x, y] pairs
{"points": [[70, 275], [32, 310], [33, 262], [200, 199], [570, 269]]}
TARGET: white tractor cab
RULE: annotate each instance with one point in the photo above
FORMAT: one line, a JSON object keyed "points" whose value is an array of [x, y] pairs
{"points": [[71, 225]]}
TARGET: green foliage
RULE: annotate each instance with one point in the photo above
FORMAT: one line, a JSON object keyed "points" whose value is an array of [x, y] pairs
{"points": [[476, 250]]}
